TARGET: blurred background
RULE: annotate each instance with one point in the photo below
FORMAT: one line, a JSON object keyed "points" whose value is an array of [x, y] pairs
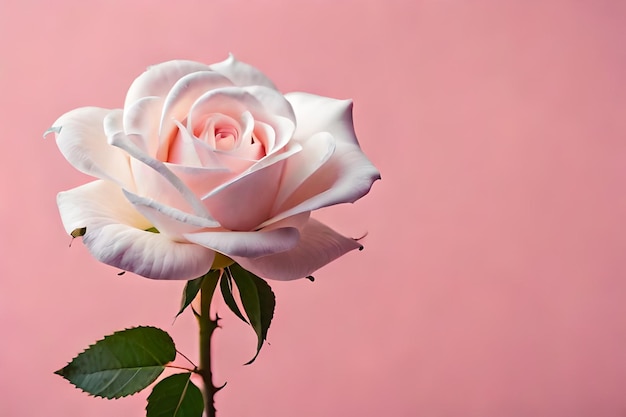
{"points": [[493, 277]]}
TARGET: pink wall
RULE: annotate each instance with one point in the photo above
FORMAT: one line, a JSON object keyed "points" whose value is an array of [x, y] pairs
{"points": [[494, 274]]}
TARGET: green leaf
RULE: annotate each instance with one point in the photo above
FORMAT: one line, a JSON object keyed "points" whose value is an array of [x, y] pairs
{"points": [[193, 287], [258, 301], [121, 364], [175, 396], [226, 285]]}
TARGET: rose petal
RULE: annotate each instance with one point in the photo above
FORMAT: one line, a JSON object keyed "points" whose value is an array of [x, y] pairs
{"points": [[231, 101], [272, 101], [234, 101], [97, 202], [165, 187], [83, 143], [168, 220], [316, 150], [115, 235], [158, 79], [242, 74], [142, 120], [283, 132], [347, 175], [246, 201], [182, 149], [298, 221], [322, 114], [201, 180], [185, 92], [247, 244], [318, 246]]}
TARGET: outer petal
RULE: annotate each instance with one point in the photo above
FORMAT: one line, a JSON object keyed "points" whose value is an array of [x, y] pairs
{"points": [[316, 150], [323, 114], [158, 79], [347, 175], [83, 143], [248, 244], [168, 220], [318, 246], [242, 74], [115, 235]]}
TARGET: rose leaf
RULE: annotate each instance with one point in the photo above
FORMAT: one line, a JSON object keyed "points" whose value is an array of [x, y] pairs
{"points": [[175, 396], [121, 364], [193, 287], [258, 301], [226, 285]]}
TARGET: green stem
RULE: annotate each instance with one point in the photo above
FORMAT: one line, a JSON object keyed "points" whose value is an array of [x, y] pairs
{"points": [[207, 327]]}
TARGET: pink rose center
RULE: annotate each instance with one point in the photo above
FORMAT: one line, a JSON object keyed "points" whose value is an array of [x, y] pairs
{"points": [[225, 138], [217, 134]]}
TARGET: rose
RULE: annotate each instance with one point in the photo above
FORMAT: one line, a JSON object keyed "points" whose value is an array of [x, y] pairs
{"points": [[207, 160]]}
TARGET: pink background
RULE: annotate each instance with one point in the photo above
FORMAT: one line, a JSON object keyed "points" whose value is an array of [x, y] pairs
{"points": [[493, 279]]}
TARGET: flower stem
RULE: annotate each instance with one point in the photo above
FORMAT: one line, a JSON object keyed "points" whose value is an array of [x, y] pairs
{"points": [[207, 327]]}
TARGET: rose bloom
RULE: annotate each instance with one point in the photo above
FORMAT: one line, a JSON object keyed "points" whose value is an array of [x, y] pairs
{"points": [[212, 159]]}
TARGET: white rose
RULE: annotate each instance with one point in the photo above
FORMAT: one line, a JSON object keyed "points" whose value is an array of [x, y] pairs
{"points": [[216, 160]]}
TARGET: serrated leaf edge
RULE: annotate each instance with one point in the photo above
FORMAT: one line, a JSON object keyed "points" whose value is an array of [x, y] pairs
{"points": [[60, 371]]}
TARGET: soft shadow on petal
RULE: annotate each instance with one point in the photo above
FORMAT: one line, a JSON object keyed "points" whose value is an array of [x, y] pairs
{"points": [[201, 180], [273, 101], [83, 143], [245, 203], [151, 255], [176, 190], [297, 220], [115, 235], [316, 150], [231, 101], [283, 131], [347, 175], [142, 120], [185, 92], [318, 246], [158, 79], [242, 74], [95, 203], [168, 220], [247, 244]]}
